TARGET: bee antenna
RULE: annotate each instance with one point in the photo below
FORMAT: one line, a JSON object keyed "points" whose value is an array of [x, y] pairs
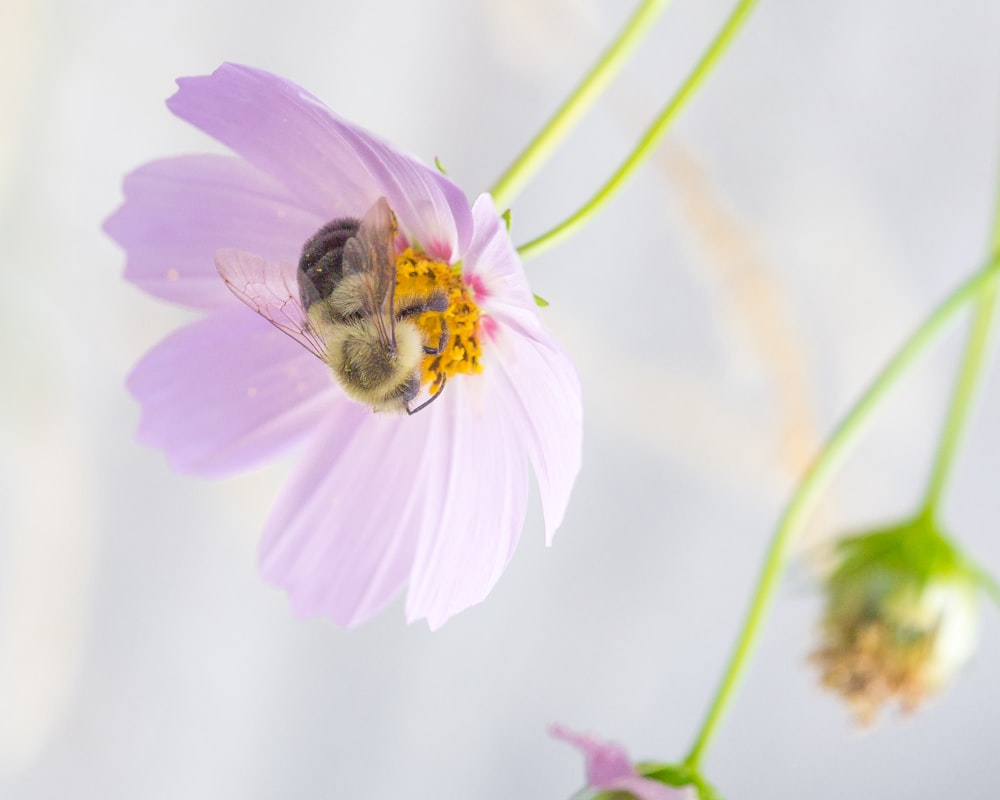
{"points": [[429, 400]]}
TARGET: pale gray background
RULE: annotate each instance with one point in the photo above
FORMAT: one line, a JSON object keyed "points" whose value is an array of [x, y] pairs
{"points": [[833, 180]]}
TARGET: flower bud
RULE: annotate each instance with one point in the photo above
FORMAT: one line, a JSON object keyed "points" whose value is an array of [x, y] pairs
{"points": [[901, 618]]}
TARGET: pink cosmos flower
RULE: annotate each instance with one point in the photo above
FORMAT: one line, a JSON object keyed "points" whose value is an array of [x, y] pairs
{"points": [[609, 769], [436, 500]]}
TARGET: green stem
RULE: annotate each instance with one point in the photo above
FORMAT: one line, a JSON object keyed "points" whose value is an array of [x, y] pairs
{"points": [[965, 387], [961, 401], [651, 138], [562, 122], [818, 477]]}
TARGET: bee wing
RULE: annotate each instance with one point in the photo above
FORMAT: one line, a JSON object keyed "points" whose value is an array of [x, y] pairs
{"points": [[271, 290], [372, 252]]}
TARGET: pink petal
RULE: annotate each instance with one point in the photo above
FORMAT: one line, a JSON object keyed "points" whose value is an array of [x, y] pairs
{"points": [[438, 497], [228, 393], [546, 407], [476, 490], [609, 768], [605, 762], [334, 169], [493, 265], [179, 211], [538, 375], [341, 539]]}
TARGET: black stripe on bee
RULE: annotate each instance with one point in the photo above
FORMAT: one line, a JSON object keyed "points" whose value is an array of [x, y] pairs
{"points": [[321, 267]]}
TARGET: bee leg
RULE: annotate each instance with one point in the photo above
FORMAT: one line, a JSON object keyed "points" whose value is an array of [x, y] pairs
{"points": [[429, 400], [438, 301], [442, 341]]}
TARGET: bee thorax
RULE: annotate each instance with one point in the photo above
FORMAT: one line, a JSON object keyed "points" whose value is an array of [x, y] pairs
{"points": [[321, 264]]}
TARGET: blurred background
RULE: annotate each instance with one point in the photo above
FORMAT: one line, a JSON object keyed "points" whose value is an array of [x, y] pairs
{"points": [[831, 183]]}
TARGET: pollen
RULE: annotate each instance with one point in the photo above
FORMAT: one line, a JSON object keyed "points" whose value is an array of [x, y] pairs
{"points": [[420, 277]]}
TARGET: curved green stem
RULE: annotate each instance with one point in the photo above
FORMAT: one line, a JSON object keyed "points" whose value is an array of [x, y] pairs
{"points": [[816, 479], [594, 82], [651, 138]]}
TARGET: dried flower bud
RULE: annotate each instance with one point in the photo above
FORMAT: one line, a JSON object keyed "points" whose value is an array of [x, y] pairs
{"points": [[901, 618]]}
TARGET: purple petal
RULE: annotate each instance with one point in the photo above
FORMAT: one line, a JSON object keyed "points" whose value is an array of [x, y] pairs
{"points": [[546, 401], [478, 484], [437, 498], [229, 392], [609, 768], [179, 211], [546, 407], [605, 762], [341, 539], [493, 267], [335, 169]]}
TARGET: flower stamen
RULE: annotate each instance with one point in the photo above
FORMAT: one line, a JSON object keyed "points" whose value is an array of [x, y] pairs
{"points": [[417, 275], [872, 663]]}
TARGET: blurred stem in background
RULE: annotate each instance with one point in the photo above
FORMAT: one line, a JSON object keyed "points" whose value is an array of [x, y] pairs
{"points": [[981, 288], [965, 386], [583, 97], [650, 139], [818, 477]]}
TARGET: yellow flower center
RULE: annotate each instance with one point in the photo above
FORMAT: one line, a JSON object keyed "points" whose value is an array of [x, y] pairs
{"points": [[419, 276]]}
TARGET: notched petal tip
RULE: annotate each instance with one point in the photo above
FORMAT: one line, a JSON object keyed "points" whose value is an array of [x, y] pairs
{"points": [[178, 211], [474, 488], [341, 537], [544, 404]]}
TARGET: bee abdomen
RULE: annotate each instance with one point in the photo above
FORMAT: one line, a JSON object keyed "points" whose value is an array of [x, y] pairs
{"points": [[321, 264], [368, 362]]}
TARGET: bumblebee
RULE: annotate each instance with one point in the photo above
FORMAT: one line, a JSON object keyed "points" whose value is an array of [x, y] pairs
{"points": [[345, 309]]}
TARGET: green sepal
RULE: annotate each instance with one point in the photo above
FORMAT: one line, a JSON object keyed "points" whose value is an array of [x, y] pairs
{"points": [[440, 166], [916, 550], [541, 302], [679, 776], [506, 219]]}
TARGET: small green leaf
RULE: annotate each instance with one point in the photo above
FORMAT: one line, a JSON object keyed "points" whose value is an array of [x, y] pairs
{"points": [[440, 166]]}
